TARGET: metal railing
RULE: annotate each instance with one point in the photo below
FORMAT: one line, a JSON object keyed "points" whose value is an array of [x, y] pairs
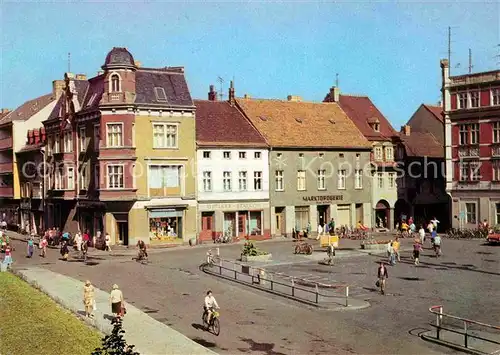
{"points": [[298, 288], [438, 311]]}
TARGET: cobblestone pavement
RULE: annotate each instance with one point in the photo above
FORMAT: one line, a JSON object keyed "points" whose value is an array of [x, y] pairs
{"points": [[171, 289]]}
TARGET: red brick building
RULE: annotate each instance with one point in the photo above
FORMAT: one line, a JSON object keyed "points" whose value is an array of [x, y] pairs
{"points": [[472, 138]]}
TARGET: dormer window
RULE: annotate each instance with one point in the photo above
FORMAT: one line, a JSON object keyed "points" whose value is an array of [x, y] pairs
{"points": [[376, 127], [115, 83], [374, 123]]}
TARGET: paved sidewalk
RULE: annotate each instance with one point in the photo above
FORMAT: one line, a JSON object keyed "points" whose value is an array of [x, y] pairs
{"points": [[149, 336]]}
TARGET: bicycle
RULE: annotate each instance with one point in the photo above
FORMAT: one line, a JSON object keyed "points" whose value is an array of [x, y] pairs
{"points": [[214, 322]]}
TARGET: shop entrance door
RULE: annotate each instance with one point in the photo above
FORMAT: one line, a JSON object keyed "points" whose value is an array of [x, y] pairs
{"points": [[323, 215], [123, 232], [242, 224], [280, 220], [207, 222]]}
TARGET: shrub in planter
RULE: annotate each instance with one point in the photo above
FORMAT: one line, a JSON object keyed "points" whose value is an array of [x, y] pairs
{"points": [[249, 249], [115, 344]]}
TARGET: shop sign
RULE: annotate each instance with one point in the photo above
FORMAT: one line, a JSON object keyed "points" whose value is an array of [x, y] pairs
{"points": [[323, 198], [234, 206], [165, 213]]}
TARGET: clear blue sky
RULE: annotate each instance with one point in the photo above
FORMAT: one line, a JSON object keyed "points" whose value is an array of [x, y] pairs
{"points": [[387, 51]]}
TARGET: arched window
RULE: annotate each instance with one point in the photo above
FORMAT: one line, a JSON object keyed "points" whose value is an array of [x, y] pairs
{"points": [[115, 83]]}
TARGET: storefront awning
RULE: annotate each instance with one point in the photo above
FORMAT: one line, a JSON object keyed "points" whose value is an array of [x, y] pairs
{"points": [[167, 208]]}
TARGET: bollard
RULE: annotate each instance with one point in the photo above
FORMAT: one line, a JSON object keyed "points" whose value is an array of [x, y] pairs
{"points": [[439, 319], [347, 296], [293, 288], [317, 293], [218, 252], [465, 335]]}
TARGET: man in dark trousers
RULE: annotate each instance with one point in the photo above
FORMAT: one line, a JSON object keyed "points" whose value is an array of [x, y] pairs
{"points": [[382, 276]]}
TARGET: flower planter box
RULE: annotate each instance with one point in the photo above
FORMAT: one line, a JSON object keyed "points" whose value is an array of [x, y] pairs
{"points": [[259, 258]]}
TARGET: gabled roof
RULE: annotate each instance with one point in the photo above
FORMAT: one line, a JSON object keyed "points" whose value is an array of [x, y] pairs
{"points": [[218, 123], [362, 111], [302, 124], [28, 109], [419, 144], [171, 80], [437, 111]]}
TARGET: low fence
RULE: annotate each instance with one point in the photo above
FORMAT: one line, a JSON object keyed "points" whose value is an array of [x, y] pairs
{"points": [[467, 331], [303, 290]]}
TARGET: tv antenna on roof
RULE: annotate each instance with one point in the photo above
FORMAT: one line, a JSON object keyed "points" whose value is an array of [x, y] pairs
{"points": [[69, 62], [470, 61], [221, 82], [337, 80]]}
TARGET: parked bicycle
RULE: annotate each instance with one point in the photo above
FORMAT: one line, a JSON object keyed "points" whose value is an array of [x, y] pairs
{"points": [[303, 248]]}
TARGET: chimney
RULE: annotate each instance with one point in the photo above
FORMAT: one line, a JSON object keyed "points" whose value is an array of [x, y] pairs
{"points": [[137, 63], [334, 94], [246, 96], [58, 88], [100, 72], [30, 137], [5, 111], [231, 93], [212, 94], [406, 130], [42, 135], [81, 77], [294, 98]]}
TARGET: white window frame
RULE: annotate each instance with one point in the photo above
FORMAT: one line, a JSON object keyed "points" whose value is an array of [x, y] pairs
{"points": [[462, 100], [226, 154], [474, 133], [341, 180], [257, 155], [242, 181], [495, 171], [301, 180], [463, 134], [58, 180], [495, 97], [321, 179], [111, 87], [227, 181], [97, 136], [496, 131], [389, 153], [473, 219], [242, 155], [475, 99], [83, 178], [162, 167], [207, 154], [68, 141], [207, 181], [257, 181], [358, 179], [278, 176], [392, 180], [497, 213], [110, 176], [380, 180], [50, 143], [378, 153], [57, 143], [70, 178], [167, 135], [109, 142], [133, 135], [82, 138]]}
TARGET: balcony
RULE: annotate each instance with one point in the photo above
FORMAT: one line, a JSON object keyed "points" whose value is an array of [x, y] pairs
{"points": [[6, 143], [7, 167], [468, 152], [7, 191]]}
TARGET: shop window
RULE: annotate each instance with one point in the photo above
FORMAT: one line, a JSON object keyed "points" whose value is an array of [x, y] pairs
{"points": [[164, 180], [165, 228], [301, 218], [255, 224]]}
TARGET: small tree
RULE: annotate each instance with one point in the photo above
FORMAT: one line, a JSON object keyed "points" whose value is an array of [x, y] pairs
{"points": [[115, 344]]}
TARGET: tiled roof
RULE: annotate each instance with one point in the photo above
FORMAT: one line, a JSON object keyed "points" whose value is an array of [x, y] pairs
{"points": [[3, 115], [56, 111], [81, 88], [31, 147], [28, 109], [302, 124], [95, 89], [419, 144], [362, 111], [220, 124], [172, 81], [437, 111]]}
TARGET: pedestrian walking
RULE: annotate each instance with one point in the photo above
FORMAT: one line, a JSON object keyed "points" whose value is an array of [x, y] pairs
{"points": [[30, 247], [383, 275], [88, 299], [108, 241], [417, 249], [43, 246], [435, 223], [117, 302], [8, 256], [421, 234], [64, 251], [78, 241], [395, 246], [437, 245], [320, 231], [330, 252]]}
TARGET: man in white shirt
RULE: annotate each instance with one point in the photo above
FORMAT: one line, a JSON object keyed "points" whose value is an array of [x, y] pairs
{"points": [[210, 305], [435, 222], [421, 234]]}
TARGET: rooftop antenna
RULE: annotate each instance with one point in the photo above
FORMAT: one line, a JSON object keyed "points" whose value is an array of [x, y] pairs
{"points": [[221, 82], [337, 80], [498, 55], [470, 61], [449, 48], [69, 62]]}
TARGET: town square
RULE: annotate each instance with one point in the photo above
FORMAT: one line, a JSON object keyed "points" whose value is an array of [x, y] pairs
{"points": [[265, 178]]}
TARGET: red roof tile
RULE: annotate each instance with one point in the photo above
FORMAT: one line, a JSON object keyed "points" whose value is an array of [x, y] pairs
{"points": [[437, 111], [419, 144], [362, 111], [220, 124]]}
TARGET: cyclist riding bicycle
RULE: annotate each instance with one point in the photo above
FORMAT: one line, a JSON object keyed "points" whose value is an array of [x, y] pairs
{"points": [[210, 305], [142, 250]]}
